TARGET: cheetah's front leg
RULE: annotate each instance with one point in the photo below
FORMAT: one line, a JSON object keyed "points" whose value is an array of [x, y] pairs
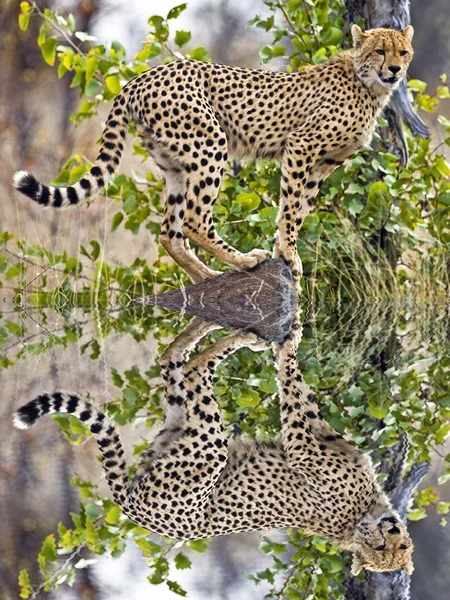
{"points": [[302, 174], [308, 439], [297, 163]]}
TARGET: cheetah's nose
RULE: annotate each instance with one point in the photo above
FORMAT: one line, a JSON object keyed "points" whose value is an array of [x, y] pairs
{"points": [[394, 69]]}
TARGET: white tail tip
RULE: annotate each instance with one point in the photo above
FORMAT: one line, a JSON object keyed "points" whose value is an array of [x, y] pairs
{"points": [[18, 423], [18, 177]]}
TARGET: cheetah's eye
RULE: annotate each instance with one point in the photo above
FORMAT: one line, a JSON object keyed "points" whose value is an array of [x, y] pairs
{"points": [[403, 547], [380, 548], [403, 52], [380, 52]]}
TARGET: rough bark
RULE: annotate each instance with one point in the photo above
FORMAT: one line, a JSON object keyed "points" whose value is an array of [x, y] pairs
{"points": [[262, 300]]}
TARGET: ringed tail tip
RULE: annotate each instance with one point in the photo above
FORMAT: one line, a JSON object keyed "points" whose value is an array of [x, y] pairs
{"points": [[26, 183], [19, 421]]}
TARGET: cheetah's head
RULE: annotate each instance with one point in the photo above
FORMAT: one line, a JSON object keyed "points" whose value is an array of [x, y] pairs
{"points": [[382, 56], [382, 544]]}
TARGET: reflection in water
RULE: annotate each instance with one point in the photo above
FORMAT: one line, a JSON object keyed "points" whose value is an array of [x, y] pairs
{"points": [[337, 352], [191, 483]]}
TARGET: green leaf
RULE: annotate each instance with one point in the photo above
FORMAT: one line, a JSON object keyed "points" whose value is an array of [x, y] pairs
{"points": [[175, 588], [443, 91], [199, 53], [116, 378], [117, 220], [443, 508], [91, 67], [15, 328], [113, 84], [444, 122], [24, 582], [248, 398], [92, 535], [246, 202], [416, 84], [71, 26], [47, 553], [444, 478], [48, 49], [182, 37], [95, 252], [176, 11], [16, 270], [130, 395], [149, 547], [24, 20], [92, 511], [442, 166], [266, 53], [417, 514], [182, 561], [130, 204], [93, 87], [113, 515], [332, 36], [198, 545]]}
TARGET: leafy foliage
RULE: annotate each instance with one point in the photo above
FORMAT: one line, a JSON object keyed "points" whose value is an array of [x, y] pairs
{"points": [[379, 232]]}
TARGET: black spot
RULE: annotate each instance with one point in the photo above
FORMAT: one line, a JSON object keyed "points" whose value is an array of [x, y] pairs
{"points": [[72, 404], [85, 184], [96, 172], [44, 196], [57, 401], [85, 415], [57, 198], [72, 195]]}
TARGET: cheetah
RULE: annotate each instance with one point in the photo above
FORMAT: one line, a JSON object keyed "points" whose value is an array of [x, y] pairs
{"points": [[191, 115], [192, 482]]}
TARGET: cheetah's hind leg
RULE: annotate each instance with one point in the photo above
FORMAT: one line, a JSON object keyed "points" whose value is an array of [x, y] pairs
{"points": [[171, 363], [172, 237]]}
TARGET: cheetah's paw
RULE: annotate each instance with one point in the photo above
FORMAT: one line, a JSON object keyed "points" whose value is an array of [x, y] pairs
{"points": [[254, 257], [254, 342]]}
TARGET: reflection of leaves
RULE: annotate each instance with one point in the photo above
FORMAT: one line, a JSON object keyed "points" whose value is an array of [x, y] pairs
{"points": [[339, 261], [182, 561], [47, 553]]}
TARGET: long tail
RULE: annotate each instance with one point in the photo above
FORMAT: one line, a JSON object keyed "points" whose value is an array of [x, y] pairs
{"points": [[101, 173], [108, 439]]}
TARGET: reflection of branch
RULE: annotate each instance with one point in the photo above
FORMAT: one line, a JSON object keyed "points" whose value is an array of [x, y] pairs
{"points": [[63, 272], [80, 323], [402, 494], [58, 570]]}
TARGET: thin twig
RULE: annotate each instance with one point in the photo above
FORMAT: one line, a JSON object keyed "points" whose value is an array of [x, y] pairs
{"points": [[64, 35]]}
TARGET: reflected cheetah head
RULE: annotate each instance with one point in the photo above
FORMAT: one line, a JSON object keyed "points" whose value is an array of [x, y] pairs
{"points": [[382, 544]]}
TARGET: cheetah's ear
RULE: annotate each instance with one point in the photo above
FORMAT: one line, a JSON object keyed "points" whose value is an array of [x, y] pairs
{"points": [[408, 567], [408, 33], [358, 35], [357, 565]]}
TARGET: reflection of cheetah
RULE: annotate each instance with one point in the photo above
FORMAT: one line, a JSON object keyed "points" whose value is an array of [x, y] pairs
{"points": [[193, 483], [191, 114]]}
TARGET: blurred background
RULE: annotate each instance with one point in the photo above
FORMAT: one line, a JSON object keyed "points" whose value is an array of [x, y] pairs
{"points": [[35, 134]]}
